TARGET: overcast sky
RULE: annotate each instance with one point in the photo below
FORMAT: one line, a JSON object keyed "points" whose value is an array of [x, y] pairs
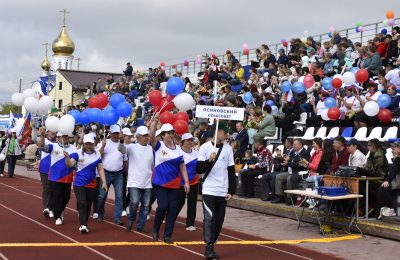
{"points": [[107, 33]]}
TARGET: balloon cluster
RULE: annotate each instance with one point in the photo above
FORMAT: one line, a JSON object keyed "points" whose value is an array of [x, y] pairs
{"points": [[29, 100], [179, 121], [65, 125], [359, 27], [246, 49], [389, 21], [284, 42]]}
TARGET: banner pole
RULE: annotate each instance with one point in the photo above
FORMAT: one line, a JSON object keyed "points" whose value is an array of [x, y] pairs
{"points": [[216, 133]]}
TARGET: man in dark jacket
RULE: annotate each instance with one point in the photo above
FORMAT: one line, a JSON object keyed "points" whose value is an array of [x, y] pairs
{"points": [[128, 71], [289, 180], [243, 139]]}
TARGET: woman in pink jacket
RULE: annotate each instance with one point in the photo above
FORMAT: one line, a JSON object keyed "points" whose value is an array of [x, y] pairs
{"points": [[315, 159]]}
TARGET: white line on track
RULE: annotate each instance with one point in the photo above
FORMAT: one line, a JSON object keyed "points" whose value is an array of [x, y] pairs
{"points": [[109, 222], [3, 257], [55, 231]]}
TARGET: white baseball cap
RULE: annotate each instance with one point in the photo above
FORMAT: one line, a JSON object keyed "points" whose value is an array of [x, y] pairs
{"points": [[142, 130], [127, 131], [166, 128], [187, 136], [158, 132], [115, 129], [88, 138], [59, 134]]}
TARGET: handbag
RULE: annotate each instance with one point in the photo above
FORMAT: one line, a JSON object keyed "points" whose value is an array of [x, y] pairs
{"points": [[207, 172], [238, 165]]}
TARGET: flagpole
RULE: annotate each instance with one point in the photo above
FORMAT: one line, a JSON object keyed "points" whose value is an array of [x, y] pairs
{"points": [[20, 85]]}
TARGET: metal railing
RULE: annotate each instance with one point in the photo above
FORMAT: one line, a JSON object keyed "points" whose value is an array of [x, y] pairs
{"points": [[370, 31]]}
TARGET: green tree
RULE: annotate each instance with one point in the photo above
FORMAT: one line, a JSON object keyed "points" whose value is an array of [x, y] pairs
{"points": [[7, 107]]}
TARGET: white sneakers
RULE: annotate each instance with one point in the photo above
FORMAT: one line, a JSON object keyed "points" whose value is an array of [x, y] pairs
{"points": [[1, 175], [59, 221], [123, 214], [148, 217], [191, 228], [83, 229], [51, 214], [95, 216], [386, 212], [46, 213]]}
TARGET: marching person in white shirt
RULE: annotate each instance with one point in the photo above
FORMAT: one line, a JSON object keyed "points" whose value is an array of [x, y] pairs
{"points": [[140, 171], [218, 187], [87, 162], [356, 158]]}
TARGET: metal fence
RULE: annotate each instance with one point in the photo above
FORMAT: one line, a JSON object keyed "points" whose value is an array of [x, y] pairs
{"points": [[370, 31]]}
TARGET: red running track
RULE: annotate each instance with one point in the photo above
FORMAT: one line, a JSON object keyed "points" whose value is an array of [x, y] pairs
{"points": [[21, 221]]}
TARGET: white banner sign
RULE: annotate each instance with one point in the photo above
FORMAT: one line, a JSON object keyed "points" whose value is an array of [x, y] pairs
{"points": [[223, 113]]}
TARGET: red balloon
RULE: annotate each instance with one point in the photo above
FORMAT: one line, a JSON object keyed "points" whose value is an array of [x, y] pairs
{"points": [[155, 98], [167, 117], [308, 81], [165, 107], [182, 116], [385, 116], [362, 75], [337, 83], [169, 106], [103, 100], [285, 44], [246, 52], [174, 66], [162, 64], [94, 102], [169, 98], [333, 113], [181, 127]]}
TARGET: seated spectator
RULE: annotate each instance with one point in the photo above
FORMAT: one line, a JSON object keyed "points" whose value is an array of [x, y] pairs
{"points": [[318, 108], [252, 121], [243, 139], [361, 119], [283, 58], [356, 158], [341, 155], [262, 165], [385, 195], [395, 99], [312, 165], [349, 106], [267, 126], [290, 179], [376, 62], [325, 165], [331, 65], [377, 164]]}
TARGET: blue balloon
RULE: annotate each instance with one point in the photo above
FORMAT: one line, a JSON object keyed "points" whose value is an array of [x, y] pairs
{"points": [[247, 98], [298, 87], [94, 114], [76, 115], [124, 109], [357, 30], [110, 117], [327, 83], [116, 99], [384, 100], [330, 102], [286, 86], [330, 34], [101, 118], [175, 86], [84, 119], [384, 31], [270, 103], [354, 70]]}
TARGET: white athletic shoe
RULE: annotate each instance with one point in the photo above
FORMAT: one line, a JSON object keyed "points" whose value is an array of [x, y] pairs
{"points": [[148, 217], [83, 229], [51, 214], [1, 175], [59, 221], [95, 216], [127, 210], [46, 213], [191, 228], [163, 221], [123, 214]]}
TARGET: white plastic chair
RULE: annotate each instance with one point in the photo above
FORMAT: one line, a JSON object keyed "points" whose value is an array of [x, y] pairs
{"points": [[391, 133], [360, 134], [270, 148], [375, 133], [275, 137], [321, 133], [389, 155], [333, 133], [279, 147], [308, 135], [302, 120]]}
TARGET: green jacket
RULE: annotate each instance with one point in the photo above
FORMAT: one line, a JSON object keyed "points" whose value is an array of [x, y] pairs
{"points": [[267, 126], [377, 164]]}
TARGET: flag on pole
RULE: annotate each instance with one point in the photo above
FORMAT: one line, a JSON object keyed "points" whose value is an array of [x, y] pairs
{"points": [[26, 131]]}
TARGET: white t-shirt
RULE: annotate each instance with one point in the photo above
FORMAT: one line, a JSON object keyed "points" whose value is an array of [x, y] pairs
{"points": [[320, 107], [217, 182], [393, 77], [141, 163], [112, 158], [374, 97], [355, 104]]}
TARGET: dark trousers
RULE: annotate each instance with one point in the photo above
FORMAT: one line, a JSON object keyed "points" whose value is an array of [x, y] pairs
{"points": [[247, 178], [167, 202], [61, 193], [125, 193], [11, 161], [84, 197], [191, 203], [269, 180], [2, 164], [47, 193], [96, 195], [385, 197], [214, 215]]}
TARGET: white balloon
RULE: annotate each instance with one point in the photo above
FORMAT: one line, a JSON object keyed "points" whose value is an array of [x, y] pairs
{"points": [[2, 157], [184, 102], [31, 104], [338, 76], [17, 99], [66, 125], [371, 108], [28, 93], [324, 115], [45, 103], [52, 123], [349, 78], [301, 79]]}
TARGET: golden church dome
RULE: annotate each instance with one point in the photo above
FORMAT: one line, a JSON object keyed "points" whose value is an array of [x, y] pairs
{"points": [[45, 64], [63, 45]]}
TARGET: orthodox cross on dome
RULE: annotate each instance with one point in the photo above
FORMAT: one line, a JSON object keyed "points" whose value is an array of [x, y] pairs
{"points": [[65, 12]]}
